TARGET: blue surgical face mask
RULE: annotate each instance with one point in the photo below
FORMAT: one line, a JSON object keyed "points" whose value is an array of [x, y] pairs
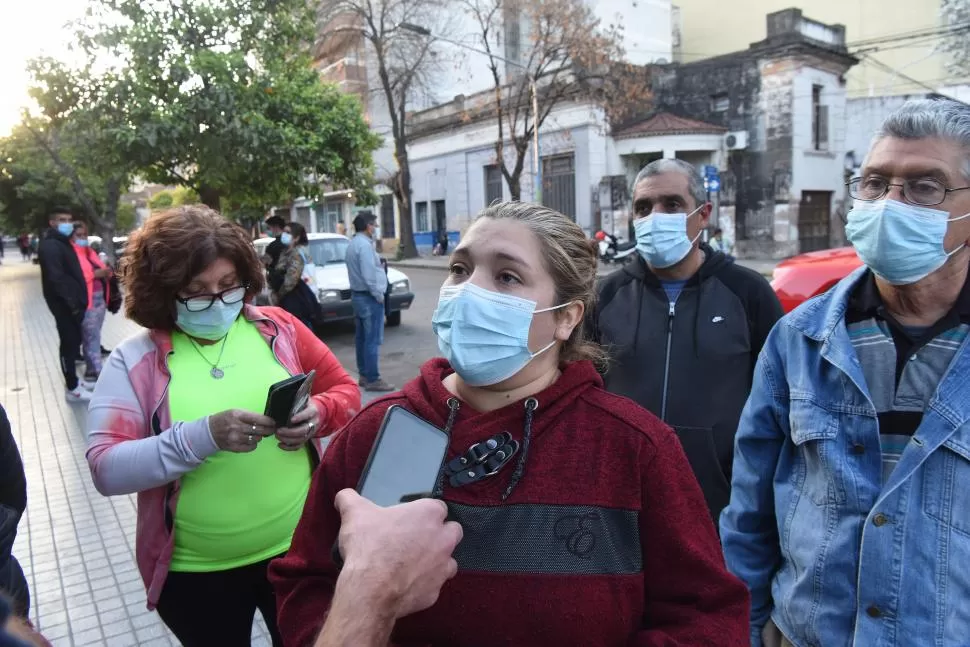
{"points": [[484, 335], [286, 238], [212, 324], [65, 229], [901, 243], [662, 238], [81, 242]]}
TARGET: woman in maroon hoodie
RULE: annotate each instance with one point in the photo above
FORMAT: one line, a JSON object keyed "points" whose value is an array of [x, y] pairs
{"points": [[594, 532]]}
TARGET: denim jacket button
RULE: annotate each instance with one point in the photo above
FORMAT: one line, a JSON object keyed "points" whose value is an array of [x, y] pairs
{"points": [[874, 612], [880, 520]]}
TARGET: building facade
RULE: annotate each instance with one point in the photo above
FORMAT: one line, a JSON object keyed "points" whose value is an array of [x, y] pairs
{"points": [[886, 33], [770, 119], [571, 139]]}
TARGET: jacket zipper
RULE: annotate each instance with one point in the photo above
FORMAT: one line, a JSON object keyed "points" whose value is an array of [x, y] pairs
{"points": [[670, 334]]}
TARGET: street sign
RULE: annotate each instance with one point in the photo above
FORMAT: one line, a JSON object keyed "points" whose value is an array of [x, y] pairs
{"points": [[710, 171], [713, 184]]}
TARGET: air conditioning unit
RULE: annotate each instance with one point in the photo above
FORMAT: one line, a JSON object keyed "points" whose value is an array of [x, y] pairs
{"points": [[736, 141]]}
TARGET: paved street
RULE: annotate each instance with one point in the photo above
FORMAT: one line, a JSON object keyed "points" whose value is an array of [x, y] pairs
{"points": [[76, 546], [405, 347]]}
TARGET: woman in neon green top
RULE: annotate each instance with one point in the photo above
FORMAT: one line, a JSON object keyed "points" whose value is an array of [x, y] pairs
{"points": [[177, 418]]}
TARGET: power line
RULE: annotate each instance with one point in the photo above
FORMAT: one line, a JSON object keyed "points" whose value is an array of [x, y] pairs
{"points": [[918, 33], [892, 70]]}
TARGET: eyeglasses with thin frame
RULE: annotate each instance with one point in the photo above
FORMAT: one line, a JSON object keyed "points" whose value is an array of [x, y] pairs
{"points": [[200, 302], [924, 191]]}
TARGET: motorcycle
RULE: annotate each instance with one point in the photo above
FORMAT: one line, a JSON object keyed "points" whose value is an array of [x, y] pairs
{"points": [[613, 251]]}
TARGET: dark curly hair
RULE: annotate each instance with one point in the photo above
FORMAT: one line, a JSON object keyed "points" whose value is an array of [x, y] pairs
{"points": [[173, 247]]}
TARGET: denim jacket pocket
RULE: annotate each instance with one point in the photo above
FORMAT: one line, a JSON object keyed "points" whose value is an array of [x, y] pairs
{"points": [[814, 432], [946, 495]]}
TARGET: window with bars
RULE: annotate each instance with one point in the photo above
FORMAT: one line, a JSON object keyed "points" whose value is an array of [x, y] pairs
{"points": [[388, 225], [421, 216], [559, 184], [328, 215], [820, 121], [493, 184]]}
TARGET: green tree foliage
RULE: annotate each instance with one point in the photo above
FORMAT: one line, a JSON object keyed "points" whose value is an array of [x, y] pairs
{"points": [[228, 103], [172, 198], [30, 185]]}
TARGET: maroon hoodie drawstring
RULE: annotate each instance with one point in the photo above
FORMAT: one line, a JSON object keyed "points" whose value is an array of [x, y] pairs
{"points": [[530, 407], [439, 486]]}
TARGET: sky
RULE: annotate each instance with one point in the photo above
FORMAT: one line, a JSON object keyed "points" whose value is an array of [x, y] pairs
{"points": [[29, 28]]}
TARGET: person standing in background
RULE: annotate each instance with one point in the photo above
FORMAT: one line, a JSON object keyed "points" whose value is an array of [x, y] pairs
{"points": [[274, 227], [66, 294], [684, 323], [23, 242], [341, 228], [96, 279], [368, 283]]}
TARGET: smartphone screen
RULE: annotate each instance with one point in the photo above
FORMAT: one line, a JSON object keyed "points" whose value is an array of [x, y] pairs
{"points": [[404, 460]]}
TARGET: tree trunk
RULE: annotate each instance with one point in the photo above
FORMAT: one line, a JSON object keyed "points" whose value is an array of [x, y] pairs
{"points": [[210, 197], [515, 175], [106, 226], [402, 191], [515, 187]]}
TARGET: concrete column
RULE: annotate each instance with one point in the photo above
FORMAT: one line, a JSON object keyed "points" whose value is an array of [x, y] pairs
{"points": [[670, 153]]}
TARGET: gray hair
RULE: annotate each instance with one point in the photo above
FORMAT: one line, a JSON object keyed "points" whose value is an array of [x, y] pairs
{"points": [[931, 118], [695, 183]]}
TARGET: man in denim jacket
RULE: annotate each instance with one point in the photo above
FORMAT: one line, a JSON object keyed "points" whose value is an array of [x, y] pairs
{"points": [[849, 517]]}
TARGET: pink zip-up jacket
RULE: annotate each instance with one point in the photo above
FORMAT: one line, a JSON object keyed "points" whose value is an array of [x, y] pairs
{"points": [[133, 446]]}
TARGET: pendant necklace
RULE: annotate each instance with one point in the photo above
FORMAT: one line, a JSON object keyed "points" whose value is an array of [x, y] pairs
{"points": [[216, 372]]}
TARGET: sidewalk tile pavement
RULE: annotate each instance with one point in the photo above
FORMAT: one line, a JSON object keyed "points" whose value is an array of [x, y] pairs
{"points": [[76, 546]]}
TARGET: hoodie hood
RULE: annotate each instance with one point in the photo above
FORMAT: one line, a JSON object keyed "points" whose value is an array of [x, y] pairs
{"points": [[526, 419], [429, 397], [714, 262]]}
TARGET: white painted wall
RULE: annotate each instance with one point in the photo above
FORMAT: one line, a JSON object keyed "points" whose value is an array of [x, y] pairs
{"points": [[817, 170], [864, 116]]}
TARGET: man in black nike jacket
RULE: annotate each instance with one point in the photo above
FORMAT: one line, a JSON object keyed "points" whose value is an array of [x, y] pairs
{"points": [[684, 324]]}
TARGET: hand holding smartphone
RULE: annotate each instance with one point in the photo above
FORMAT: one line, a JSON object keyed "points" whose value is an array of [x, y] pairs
{"points": [[404, 462]]}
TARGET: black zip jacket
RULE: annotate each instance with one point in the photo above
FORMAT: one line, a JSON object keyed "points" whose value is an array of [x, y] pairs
{"points": [[690, 362], [60, 274]]}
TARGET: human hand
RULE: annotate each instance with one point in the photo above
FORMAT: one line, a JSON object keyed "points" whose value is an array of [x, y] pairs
{"points": [[397, 557], [102, 273], [303, 426], [240, 431]]}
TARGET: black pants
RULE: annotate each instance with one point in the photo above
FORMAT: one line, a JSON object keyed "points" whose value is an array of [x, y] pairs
{"points": [[208, 609], [69, 331]]}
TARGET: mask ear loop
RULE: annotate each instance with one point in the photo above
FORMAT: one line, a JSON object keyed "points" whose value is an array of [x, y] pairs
{"points": [[962, 245], [694, 239], [553, 342]]}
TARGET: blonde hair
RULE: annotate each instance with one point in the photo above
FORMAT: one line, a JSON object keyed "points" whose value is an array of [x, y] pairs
{"points": [[570, 258]]}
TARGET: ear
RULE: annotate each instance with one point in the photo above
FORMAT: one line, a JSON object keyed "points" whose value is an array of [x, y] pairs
{"points": [[705, 213], [569, 317]]}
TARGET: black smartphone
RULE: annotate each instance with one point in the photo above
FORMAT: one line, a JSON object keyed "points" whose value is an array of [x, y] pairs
{"points": [[405, 459], [288, 397]]}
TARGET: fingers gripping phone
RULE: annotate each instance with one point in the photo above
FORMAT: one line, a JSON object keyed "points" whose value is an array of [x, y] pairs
{"points": [[404, 462], [288, 397]]}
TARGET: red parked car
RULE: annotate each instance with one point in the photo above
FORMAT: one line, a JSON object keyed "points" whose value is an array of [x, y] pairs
{"points": [[801, 277]]}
